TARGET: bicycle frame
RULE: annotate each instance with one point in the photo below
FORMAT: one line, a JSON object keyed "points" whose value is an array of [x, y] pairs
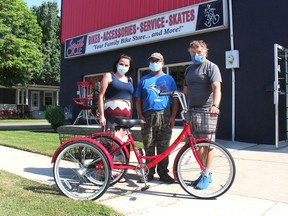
{"points": [[154, 160], [187, 165]]}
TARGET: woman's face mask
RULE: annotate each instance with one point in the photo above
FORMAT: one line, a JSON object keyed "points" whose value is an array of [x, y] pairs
{"points": [[197, 59], [155, 66], [122, 69]]}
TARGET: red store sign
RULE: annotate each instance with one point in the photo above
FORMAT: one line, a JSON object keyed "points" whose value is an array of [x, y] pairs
{"points": [[182, 22]]}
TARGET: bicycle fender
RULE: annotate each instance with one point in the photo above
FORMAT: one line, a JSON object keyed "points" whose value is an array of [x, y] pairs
{"points": [[97, 134], [83, 139], [176, 159], [105, 134]]}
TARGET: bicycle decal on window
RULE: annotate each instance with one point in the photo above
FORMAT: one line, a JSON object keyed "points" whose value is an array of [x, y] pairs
{"points": [[211, 17]]}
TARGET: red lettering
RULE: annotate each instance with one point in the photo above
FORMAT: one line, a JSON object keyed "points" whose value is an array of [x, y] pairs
{"points": [[119, 32], [156, 23], [94, 39], [183, 17]]}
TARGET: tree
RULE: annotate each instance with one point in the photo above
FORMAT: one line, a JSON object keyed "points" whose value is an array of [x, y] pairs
{"points": [[20, 40], [49, 21]]}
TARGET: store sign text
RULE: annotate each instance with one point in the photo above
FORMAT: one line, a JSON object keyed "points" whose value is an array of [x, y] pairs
{"points": [[164, 26]]}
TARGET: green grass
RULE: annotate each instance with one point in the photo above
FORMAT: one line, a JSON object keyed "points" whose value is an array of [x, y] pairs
{"points": [[44, 143], [37, 142], [20, 196], [21, 120]]}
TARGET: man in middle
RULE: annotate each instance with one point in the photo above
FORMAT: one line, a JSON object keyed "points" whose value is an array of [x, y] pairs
{"points": [[158, 112]]}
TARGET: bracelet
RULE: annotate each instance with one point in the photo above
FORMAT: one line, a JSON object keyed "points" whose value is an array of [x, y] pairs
{"points": [[215, 106]]}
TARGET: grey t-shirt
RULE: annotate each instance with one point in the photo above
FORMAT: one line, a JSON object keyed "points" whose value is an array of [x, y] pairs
{"points": [[198, 79]]}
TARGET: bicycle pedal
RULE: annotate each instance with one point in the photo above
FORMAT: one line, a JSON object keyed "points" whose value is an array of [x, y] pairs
{"points": [[145, 188]]}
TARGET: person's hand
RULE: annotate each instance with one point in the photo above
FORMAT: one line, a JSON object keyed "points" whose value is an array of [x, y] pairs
{"points": [[214, 110], [172, 122], [102, 120], [142, 118]]}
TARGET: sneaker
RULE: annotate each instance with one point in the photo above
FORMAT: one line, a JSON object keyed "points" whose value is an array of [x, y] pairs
{"points": [[166, 178], [195, 182], [204, 182]]}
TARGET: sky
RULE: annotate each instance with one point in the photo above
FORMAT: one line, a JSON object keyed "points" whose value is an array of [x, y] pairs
{"points": [[31, 3]]}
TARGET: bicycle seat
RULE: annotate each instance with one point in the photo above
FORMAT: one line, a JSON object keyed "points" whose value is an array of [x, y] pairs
{"points": [[127, 122]]}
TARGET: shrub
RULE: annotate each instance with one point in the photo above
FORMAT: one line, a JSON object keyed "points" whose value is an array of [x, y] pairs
{"points": [[55, 116]]}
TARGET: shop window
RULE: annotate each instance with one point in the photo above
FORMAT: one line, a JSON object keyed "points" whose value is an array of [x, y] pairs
{"points": [[96, 80], [177, 72], [143, 73], [96, 83]]}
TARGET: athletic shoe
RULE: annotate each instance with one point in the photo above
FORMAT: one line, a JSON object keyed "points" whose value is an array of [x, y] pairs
{"points": [[195, 182], [204, 182]]}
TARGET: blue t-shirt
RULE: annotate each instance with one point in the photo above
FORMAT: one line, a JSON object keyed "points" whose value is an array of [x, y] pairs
{"points": [[149, 87]]}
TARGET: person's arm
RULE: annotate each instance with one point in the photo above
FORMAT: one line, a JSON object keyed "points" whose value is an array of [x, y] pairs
{"points": [[185, 91], [131, 98], [216, 87], [107, 78], [139, 108], [173, 111]]}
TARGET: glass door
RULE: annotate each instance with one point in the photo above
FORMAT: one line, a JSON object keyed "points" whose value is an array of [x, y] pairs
{"points": [[35, 100], [281, 94]]}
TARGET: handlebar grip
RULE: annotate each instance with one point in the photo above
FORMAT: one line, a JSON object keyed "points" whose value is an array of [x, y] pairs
{"points": [[171, 93]]}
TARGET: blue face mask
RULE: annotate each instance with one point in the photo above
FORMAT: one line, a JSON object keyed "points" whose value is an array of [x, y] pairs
{"points": [[155, 66], [122, 69], [197, 59]]}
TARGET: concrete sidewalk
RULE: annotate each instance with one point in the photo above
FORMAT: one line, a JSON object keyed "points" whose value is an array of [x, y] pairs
{"points": [[260, 187], [25, 126]]}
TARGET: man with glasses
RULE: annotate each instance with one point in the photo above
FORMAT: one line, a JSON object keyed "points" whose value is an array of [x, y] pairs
{"points": [[158, 112]]}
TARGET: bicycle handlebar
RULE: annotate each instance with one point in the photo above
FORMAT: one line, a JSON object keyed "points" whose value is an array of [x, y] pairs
{"points": [[181, 97], [171, 93]]}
